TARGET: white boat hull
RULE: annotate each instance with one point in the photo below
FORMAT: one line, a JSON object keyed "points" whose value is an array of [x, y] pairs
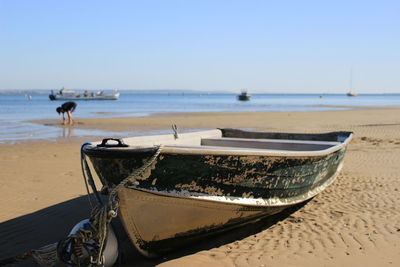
{"points": [[89, 97]]}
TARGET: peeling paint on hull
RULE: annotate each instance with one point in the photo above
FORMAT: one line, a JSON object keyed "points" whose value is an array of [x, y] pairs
{"points": [[237, 176]]}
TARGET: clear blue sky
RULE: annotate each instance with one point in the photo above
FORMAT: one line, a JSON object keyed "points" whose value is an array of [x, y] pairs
{"points": [[265, 46]]}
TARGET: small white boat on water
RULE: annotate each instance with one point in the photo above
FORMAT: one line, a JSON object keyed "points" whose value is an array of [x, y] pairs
{"points": [[65, 94]]}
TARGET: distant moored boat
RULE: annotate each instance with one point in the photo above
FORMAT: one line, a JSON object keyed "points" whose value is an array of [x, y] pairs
{"points": [[244, 96], [65, 94], [351, 94]]}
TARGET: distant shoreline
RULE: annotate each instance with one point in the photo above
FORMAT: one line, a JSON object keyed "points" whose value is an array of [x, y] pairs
{"points": [[180, 91]]}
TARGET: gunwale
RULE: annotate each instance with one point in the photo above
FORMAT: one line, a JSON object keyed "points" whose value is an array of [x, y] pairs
{"points": [[185, 148]]}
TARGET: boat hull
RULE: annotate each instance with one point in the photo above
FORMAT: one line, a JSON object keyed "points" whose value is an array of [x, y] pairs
{"points": [[159, 222], [175, 221], [243, 97], [96, 97]]}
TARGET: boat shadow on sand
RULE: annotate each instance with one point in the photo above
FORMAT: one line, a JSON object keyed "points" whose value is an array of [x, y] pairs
{"points": [[54, 223]]}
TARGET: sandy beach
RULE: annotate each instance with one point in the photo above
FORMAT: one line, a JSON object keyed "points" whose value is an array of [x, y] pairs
{"points": [[355, 222]]}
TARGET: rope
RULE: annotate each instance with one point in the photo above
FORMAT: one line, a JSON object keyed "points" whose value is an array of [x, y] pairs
{"points": [[84, 178], [88, 178], [103, 214], [100, 218], [136, 173]]}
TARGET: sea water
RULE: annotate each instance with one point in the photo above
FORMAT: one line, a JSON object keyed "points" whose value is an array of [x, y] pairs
{"points": [[17, 109]]}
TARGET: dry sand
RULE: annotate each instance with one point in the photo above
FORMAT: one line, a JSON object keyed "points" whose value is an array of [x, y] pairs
{"points": [[355, 222]]}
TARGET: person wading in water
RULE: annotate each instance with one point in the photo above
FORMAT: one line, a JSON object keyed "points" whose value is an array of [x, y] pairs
{"points": [[67, 107]]}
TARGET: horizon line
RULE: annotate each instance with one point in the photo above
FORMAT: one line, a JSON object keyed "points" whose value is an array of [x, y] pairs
{"points": [[195, 91]]}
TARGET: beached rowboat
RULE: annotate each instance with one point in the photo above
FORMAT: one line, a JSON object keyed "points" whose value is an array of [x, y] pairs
{"points": [[206, 182]]}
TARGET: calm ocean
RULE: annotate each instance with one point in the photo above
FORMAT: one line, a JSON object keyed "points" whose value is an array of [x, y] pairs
{"points": [[16, 109]]}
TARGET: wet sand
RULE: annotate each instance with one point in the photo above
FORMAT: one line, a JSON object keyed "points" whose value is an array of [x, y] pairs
{"points": [[355, 222]]}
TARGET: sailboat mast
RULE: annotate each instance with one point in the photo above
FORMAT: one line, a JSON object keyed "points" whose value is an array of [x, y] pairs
{"points": [[351, 80]]}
